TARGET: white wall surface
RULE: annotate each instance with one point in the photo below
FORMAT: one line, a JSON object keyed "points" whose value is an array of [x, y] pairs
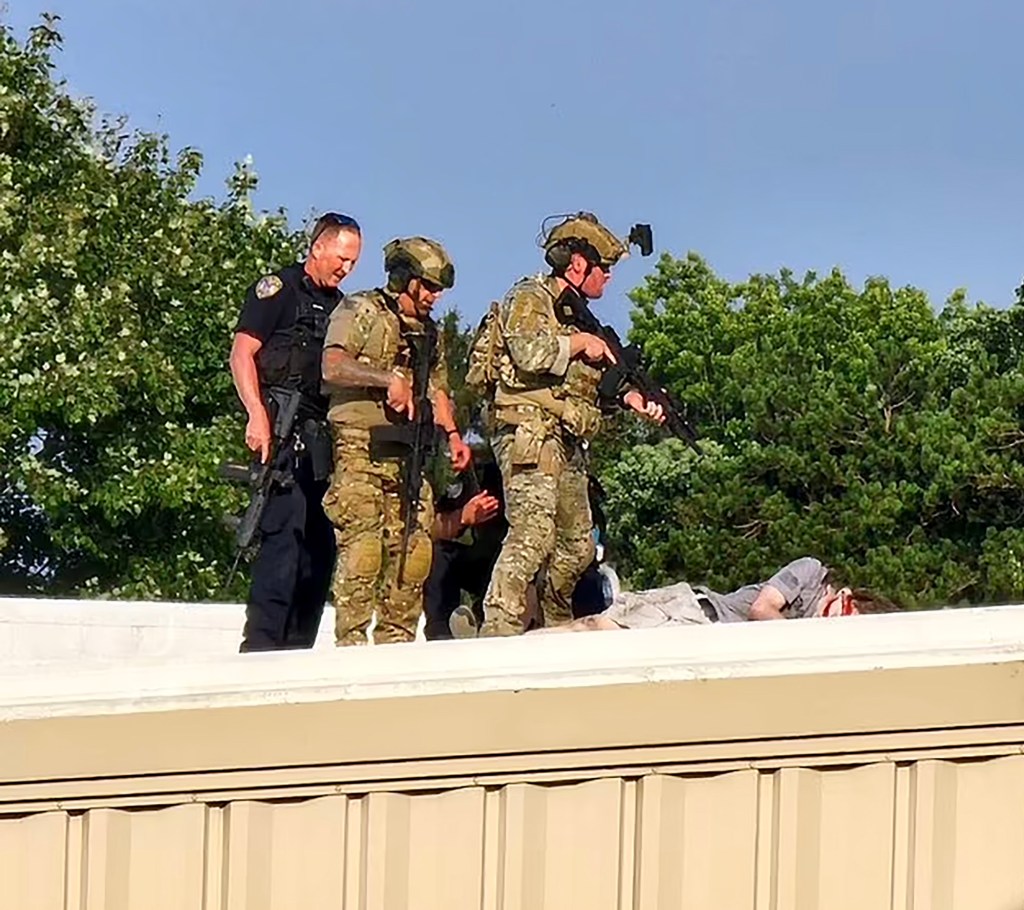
{"points": [[40, 629]]}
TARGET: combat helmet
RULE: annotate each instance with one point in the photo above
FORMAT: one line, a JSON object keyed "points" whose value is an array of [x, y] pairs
{"points": [[418, 257], [581, 233]]}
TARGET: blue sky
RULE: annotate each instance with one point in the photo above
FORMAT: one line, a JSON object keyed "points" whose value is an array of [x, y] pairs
{"points": [[883, 137]]}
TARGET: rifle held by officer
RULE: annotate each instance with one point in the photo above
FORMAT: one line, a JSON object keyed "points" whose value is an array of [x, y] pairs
{"points": [[424, 438], [262, 477], [629, 370], [414, 442]]}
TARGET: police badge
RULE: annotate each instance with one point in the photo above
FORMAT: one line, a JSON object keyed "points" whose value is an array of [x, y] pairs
{"points": [[268, 286]]}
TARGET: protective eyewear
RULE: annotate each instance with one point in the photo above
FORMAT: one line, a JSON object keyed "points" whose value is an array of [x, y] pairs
{"points": [[431, 287], [333, 219]]}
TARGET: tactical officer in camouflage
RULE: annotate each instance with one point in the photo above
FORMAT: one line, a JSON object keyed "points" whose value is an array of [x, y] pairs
{"points": [[277, 346], [545, 408], [368, 364]]}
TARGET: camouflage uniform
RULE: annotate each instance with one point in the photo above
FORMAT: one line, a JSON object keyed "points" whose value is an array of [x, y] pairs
{"points": [[544, 408], [363, 501]]}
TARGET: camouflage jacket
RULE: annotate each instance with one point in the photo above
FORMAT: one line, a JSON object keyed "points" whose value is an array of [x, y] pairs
{"points": [[368, 326], [534, 368]]}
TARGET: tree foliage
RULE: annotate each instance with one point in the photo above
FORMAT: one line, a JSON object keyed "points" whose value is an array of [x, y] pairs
{"points": [[859, 426], [118, 294]]}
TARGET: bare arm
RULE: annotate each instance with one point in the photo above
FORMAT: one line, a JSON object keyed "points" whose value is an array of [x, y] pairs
{"points": [[342, 370], [243, 371], [479, 510], [447, 525], [444, 412], [247, 383], [768, 604], [444, 417]]}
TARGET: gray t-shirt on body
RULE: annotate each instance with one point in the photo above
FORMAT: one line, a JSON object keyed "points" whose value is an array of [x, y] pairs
{"points": [[801, 583]]}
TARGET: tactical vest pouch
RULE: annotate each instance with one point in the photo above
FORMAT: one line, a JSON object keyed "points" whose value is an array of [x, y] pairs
{"points": [[395, 441], [273, 362], [527, 443], [391, 441], [582, 420], [508, 404], [484, 352]]}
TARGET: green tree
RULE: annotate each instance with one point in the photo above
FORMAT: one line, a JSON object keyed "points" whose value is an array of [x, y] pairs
{"points": [[118, 294], [855, 425], [456, 340]]}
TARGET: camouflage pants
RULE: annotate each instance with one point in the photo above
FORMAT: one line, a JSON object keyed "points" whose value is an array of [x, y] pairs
{"points": [[550, 530], [363, 503]]}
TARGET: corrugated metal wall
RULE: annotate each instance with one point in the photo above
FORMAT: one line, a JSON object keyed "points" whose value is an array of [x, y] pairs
{"points": [[929, 835]]}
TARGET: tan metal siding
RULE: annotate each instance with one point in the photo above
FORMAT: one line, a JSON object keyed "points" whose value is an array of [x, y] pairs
{"points": [[697, 844], [281, 854], [933, 835], [33, 861], [153, 859], [967, 834]]}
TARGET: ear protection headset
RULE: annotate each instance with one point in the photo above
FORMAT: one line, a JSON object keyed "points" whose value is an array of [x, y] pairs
{"points": [[400, 272], [560, 255]]}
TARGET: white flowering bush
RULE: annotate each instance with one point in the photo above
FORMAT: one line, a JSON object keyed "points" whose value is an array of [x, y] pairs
{"points": [[118, 294]]}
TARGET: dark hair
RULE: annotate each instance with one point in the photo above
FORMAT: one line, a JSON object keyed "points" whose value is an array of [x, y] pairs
{"points": [[335, 223], [865, 600], [869, 602]]}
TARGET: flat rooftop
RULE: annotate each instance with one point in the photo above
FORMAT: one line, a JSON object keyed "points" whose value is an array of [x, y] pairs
{"points": [[60, 658]]}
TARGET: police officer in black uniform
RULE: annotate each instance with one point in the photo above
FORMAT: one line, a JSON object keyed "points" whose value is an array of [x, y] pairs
{"points": [[277, 350]]}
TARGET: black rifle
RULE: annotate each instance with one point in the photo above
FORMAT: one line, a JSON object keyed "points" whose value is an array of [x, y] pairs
{"points": [[414, 442], [628, 368], [261, 477]]}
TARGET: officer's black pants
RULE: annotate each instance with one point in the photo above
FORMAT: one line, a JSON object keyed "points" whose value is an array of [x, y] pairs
{"points": [[588, 597], [291, 575], [456, 567]]}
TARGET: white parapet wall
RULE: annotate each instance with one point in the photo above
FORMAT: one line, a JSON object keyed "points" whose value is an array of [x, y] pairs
{"points": [[867, 762], [52, 629]]}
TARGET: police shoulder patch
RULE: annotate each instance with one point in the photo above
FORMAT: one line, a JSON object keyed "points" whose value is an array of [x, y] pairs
{"points": [[268, 286]]}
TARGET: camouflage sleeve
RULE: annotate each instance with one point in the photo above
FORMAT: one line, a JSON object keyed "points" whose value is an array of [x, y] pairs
{"points": [[532, 334], [350, 325]]}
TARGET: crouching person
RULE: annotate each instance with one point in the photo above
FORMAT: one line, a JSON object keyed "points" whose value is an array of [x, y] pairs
{"points": [[376, 342]]}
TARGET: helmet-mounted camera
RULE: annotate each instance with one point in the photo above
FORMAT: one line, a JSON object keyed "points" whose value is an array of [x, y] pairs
{"points": [[641, 236]]}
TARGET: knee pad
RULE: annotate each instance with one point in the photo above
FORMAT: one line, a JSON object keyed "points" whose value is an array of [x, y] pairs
{"points": [[418, 559], [364, 556]]}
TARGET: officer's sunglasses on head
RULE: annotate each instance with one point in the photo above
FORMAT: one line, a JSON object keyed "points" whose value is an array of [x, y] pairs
{"points": [[333, 219], [431, 287]]}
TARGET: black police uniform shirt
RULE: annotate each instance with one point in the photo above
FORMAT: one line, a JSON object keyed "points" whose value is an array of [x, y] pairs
{"points": [[272, 307]]}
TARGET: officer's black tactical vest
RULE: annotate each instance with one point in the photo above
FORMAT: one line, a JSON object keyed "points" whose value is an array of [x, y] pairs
{"points": [[291, 358]]}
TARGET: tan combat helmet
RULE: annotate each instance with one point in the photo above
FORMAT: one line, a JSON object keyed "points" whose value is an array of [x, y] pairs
{"points": [[581, 233], [418, 257]]}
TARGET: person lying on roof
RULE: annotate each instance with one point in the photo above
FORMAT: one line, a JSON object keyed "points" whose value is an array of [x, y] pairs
{"points": [[802, 589]]}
